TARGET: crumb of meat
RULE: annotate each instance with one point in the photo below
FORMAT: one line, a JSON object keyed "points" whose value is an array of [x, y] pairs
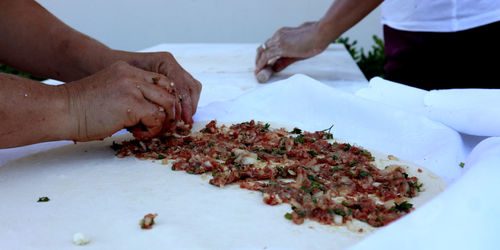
{"points": [[148, 221]]}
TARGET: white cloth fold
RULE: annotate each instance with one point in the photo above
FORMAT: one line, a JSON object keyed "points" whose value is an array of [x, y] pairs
{"points": [[470, 111]]}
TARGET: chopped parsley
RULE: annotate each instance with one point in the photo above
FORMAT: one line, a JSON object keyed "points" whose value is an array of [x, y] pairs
{"points": [[337, 211], [364, 174], [403, 207], [306, 190], [312, 153], [43, 199], [328, 134], [462, 165], [296, 131], [288, 216], [155, 80], [299, 138]]}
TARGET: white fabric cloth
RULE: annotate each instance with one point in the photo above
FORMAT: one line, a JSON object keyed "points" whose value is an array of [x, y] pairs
{"points": [[469, 111], [439, 15]]}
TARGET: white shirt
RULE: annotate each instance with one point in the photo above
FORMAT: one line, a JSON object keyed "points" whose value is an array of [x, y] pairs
{"points": [[439, 15]]}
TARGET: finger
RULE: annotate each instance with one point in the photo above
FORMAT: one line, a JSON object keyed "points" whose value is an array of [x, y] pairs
{"points": [[187, 109], [264, 74], [266, 56], [162, 97], [151, 120], [178, 111], [195, 95], [260, 49]]}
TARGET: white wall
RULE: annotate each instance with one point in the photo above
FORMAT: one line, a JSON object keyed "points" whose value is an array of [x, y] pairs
{"points": [[135, 25]]}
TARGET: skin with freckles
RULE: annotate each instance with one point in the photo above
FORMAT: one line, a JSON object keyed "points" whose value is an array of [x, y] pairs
{"points": [[105, 90], [291, 44]]}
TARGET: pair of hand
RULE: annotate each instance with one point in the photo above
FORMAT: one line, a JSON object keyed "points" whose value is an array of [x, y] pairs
{"points": [[151, 97], [289, 45]]}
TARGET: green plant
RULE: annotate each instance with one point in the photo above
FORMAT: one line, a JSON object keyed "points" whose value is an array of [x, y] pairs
{"points": [[371, 63], [9, 70]]}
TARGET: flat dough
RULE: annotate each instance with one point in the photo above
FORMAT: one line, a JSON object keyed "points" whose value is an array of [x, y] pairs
{"points": [[93, 191]]}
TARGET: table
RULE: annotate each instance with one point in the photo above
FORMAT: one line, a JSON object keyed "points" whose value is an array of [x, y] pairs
{"points": [[226, 71]]}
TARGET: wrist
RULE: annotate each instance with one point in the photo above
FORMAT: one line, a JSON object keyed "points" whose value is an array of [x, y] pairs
{"points": [[326, 30], [67, 121]]}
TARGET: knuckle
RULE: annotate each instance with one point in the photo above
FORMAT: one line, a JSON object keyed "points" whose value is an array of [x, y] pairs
{"points": [[120, 65], [166, 55]]}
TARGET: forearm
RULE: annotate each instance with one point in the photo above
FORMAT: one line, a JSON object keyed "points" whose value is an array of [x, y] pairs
{"points": [[32, 112], [342, 15], [35, 41]]}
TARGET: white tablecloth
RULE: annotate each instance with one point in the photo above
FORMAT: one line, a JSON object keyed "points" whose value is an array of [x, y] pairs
{"points": [[335, 92]]}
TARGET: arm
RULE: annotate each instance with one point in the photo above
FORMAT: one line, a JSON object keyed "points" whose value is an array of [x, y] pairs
{"points": [[312, 38], [35, 41], [91, 108]]}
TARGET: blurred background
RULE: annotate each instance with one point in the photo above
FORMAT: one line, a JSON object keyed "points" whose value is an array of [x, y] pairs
{"points": [[135, 25]]}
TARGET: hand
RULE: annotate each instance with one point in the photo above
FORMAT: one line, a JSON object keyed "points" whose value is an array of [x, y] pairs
{"points": [[121, 96], [289, 45], [187, 89]]}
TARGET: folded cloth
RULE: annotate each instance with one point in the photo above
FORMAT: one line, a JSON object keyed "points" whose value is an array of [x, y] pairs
{"points": [[462, 217], [470, 111], [394, 94], [311, 105]]}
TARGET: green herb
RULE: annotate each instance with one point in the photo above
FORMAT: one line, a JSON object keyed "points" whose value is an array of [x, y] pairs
{"points": [[403, 207], [328, 134], [273, 182], [159, 156], [417, 185], [337, 211], [296, 131], [353, 163], [155, 80], [462, 165], [306, 190], [43, 199], [334, 157], [347, 146], [363, 173], [299, 138], [335, 169], [316, 184], [288, 216], [312, 153]]}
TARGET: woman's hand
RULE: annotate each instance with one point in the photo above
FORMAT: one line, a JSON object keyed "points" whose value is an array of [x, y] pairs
{"points": [[186, 88], [121, 96], [289, 45]]}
